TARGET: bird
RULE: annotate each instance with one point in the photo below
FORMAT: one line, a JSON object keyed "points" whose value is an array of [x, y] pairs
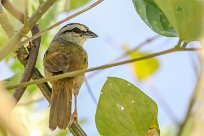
{"points": [[65, 54]]}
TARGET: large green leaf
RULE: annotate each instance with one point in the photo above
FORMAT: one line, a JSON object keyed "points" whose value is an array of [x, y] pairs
{"points": [[185, 16], [152, 15], [124, 109]]}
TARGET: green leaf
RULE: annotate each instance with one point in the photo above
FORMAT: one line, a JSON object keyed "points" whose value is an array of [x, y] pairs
{"points": [[77, 3], [124, 109], [185, 16], [152, 15]]}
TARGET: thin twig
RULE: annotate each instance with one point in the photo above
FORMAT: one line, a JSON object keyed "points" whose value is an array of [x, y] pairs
{"points": [[62, 21], [90, 91], [79, 72]]}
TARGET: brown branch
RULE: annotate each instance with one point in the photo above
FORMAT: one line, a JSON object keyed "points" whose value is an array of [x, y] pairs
{"points": [[30, 64]]}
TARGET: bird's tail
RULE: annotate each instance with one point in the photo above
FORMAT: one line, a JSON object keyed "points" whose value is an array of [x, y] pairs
{"points": [[61, 101]]}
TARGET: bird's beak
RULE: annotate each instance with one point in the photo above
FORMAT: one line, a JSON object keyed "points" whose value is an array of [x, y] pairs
{"points": [[90, 34]]}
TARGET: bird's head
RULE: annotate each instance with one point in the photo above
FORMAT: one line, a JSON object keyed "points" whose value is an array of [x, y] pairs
{"points": [[75, 33]]}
